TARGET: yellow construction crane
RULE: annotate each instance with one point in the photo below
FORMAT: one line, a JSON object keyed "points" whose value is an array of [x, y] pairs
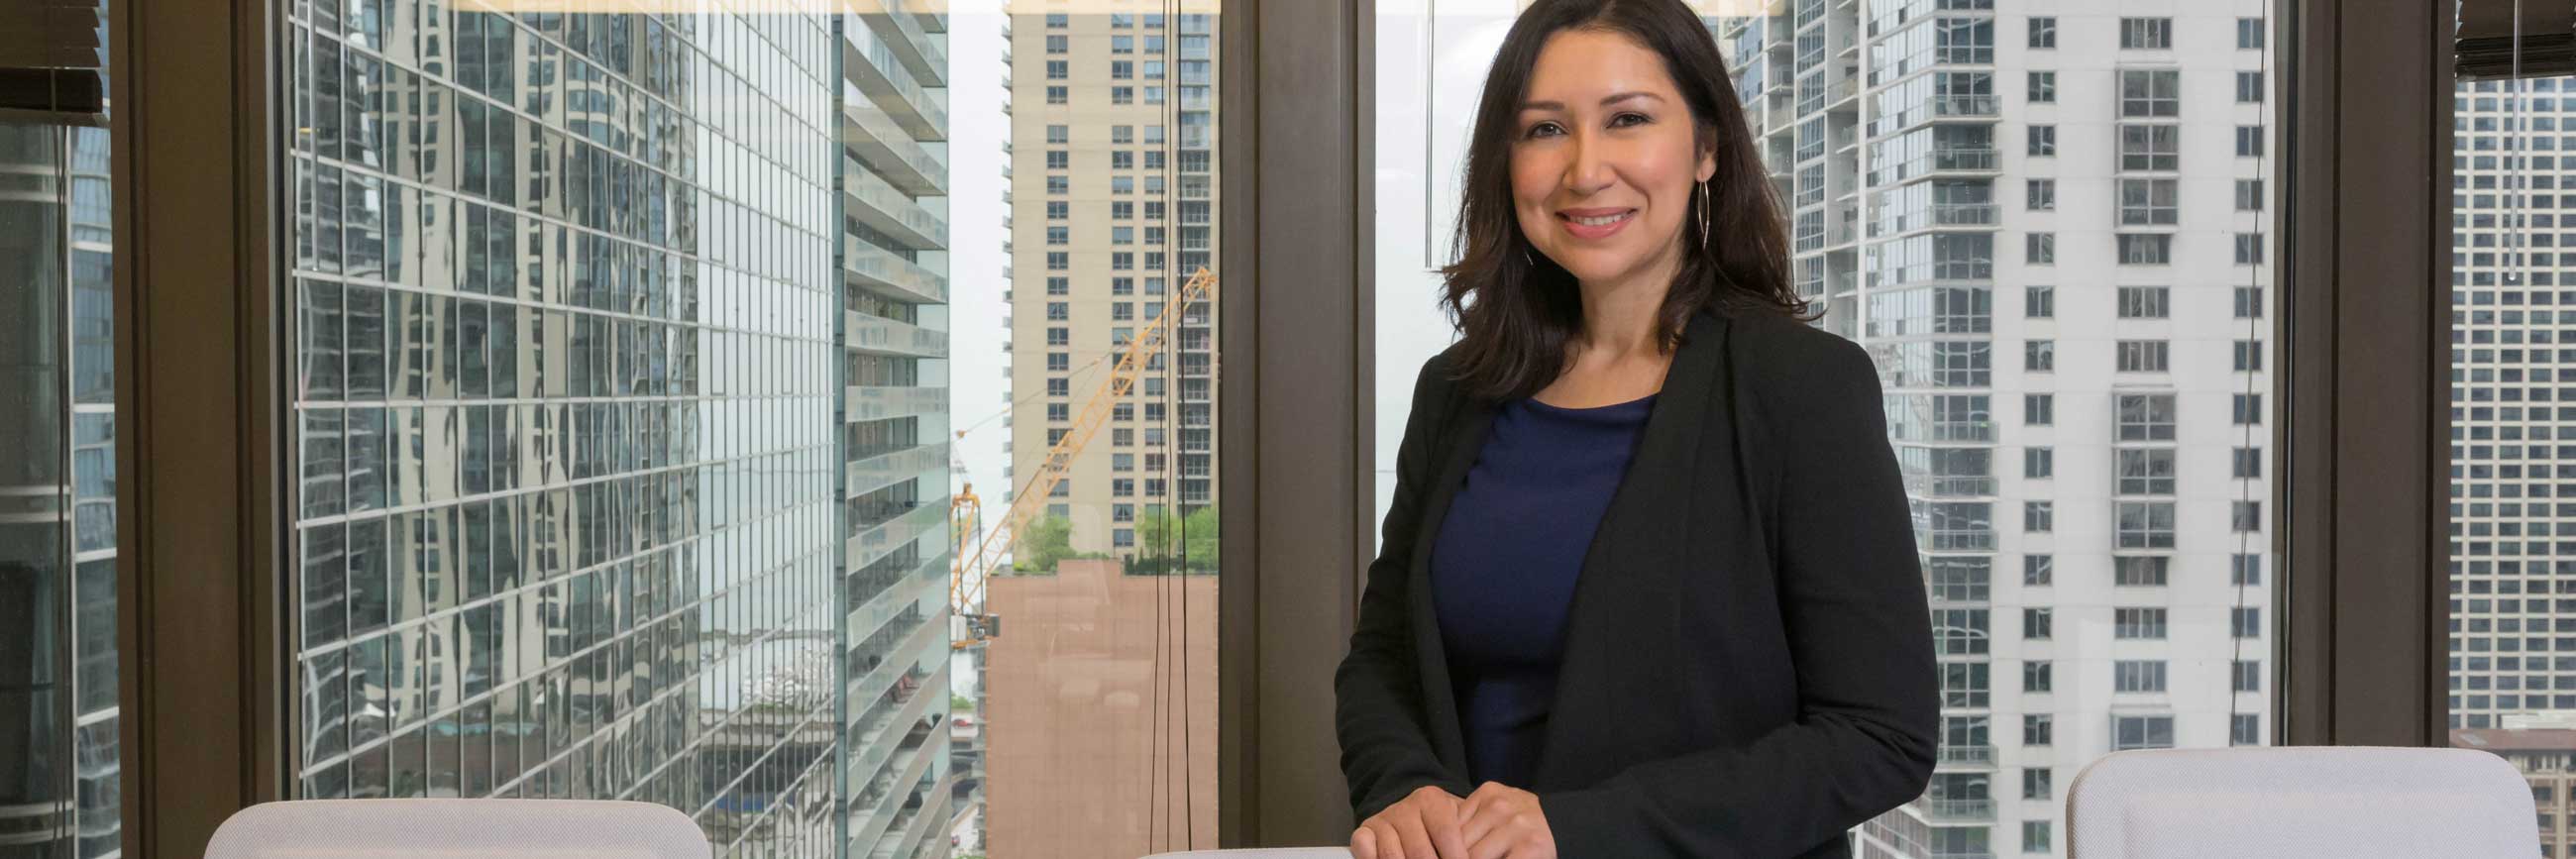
{"points": [[977, 552]]}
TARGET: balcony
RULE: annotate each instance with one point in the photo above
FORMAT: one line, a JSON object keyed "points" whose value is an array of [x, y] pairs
{"points": [[894, 154], [879, 402], [1967, 755], [879, 336], [1976, 106], [1957, 810], [887, 210], [871, 63], [880, 271], [905, 36]]}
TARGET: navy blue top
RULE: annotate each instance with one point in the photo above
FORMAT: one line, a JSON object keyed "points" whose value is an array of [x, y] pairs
{"points": [[1504, 563]]}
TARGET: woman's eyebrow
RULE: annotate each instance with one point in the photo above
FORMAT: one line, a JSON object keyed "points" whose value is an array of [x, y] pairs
{"points": [[1606, 101]]}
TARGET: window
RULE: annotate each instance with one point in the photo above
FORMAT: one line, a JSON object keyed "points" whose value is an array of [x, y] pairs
{"points": [[2140, 571], [1058, 311], [2146, 34], [2249, 87], [2038, 410], [2249, 195], [1059, 44], [2038, 730], [1059, 411], [2249, 409], [2137, 675], [1059, 362], [2137, 623], [1122, 159], [2041, 195], [2141, 732], [2034, 836], [2143, 356], [2245, 463], [2244, 729], [2145, 417], [2249, 356], [2043, 140], [1122, 95], [2249, 248], [2039, 356], [2035, 784], [2145, 248], [2249, 141], [2038, 570], [2150, 147], [1057, 70], [2245, 516], [2038, 463], [2149, 202], [2249, 675], [1055, 20], [1122, 44], [1058, 185], [1059, 286], [1058, 135], [2038, 517], [2035, 623], [2145, 471], [1059, 95], [1059, 235], [2036, 675], [2043, 87], [2249, 302], [2150, 93], [2043, 32], [1059, 387], [2145, 302], [1122, 70], [2039, 302], [2249, 34], [2245, 622]]}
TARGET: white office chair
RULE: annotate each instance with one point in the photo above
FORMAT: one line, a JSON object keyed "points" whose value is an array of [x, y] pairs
{"points": [[456, 828], [2301, 803], [1262, 853]]}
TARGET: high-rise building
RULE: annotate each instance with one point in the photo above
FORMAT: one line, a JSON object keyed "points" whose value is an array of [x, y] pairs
{"points": [[2048, 223], [608, 484], [58, 692], [1114, 208]]}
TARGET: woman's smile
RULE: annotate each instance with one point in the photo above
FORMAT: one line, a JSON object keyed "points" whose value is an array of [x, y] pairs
{"points": [[1594, 224]]}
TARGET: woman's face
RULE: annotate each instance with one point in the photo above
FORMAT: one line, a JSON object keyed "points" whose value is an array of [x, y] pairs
{"points": [[1604, 159]]}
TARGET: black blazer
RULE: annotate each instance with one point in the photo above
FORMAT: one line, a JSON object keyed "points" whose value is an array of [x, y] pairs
{"points": [[1747, 666]]}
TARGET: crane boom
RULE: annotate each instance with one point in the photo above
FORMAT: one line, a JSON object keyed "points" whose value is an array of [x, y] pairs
{"points": [[971, 569]]}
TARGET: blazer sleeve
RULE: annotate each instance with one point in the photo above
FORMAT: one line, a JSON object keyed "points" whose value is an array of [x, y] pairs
{"points": [[1377, 700], [1859, 636]]}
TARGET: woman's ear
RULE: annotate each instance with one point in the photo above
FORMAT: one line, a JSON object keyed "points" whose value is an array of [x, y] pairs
{"points": [[1707, 166]]}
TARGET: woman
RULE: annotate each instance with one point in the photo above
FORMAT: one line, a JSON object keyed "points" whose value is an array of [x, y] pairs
{"points": [[1648, 585]]}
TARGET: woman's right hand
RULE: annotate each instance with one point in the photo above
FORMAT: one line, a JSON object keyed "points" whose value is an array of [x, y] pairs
{"points": [[1422, 825]]}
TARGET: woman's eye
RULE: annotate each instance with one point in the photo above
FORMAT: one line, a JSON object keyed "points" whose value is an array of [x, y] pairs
{"points": [[1616, 121], [1541, 129]]}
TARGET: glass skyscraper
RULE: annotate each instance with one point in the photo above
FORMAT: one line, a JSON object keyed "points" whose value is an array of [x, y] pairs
{"points": [[607, 486]]}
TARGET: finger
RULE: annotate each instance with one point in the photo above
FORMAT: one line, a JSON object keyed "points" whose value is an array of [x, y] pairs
{"points": [[1417, 841], [1363, 843], [1441, 821], [1388, 845]]}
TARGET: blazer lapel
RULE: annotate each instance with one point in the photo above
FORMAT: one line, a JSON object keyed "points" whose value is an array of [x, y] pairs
{"points": [[1642, 529]]}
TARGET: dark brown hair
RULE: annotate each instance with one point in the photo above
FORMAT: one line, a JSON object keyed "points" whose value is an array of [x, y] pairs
{"points": [[1516, 309]]}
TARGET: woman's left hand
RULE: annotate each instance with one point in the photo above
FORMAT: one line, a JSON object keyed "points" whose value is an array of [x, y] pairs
{"points": [[1503, 822]]}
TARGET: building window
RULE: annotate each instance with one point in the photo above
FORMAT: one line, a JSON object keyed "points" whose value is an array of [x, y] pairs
{"points": [[2249, 195], [1057, 70], [2043, 140], [2039, 248], [2140, 571], [2150, 93], [2246, 516], [2038, 463], [2034, 836], [1058, 135], [2145, 417], [2143, 356], [2249, 356], [1059, 411], [2249, 409], [2146, 34], [2145, 302], [2145, 471], [2244, 571], [1059, 362], [1058, 210], [1059, 94], [1058, 311], [2150, 147], [1059, 44], [2035, 784], [1059, 387], [2038, 570], [1122, 159], [2249, 302], [1058, 185], [1059, 235], [2249, 248], [1122, 44], [2038, 517], [1055, 20], [2146, 248], [2039, 302], [2043, 32], [2137, 675], [2037, 676], [1059, 336], [2039, 410], [2041, 195], [1122, 70], [1122, 95], [2039, 356], [2035, 624], [2249, 87], [2149, 202], [2244, 729], [2141, 732], [2249, 141], [1059, 286], [2249, 34], [2038, 730], [2246, 463], [2245, 622], [2043, 87], [2249, 675], [2138, 623], [2144, 524]]}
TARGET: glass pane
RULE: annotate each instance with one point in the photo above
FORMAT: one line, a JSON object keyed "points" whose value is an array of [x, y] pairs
{"points": [[1975, 270], [625, 457], [2512, 658], [58, 664]]}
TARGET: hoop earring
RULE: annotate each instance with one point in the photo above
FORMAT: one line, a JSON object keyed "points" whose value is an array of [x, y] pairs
{"points": [[1703, 213], [1525, 257]]}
